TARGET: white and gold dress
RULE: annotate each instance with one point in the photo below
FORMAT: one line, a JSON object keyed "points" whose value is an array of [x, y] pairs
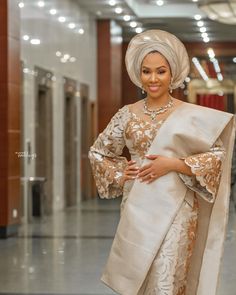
{"points": [[168, 272]]}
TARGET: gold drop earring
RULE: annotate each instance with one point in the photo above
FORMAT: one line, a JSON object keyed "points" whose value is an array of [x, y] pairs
{"points": [[170, 86], [143, 91]]}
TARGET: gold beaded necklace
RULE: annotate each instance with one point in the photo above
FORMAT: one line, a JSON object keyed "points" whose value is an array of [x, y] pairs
{"points": [[161, 110]]}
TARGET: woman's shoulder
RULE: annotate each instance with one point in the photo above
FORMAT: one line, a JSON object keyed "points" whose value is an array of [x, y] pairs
{"points": [[123, 113], [136, 106]]}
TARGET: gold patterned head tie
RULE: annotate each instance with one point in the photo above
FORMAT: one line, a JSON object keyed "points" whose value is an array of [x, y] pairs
{"points": [[166, 44]]}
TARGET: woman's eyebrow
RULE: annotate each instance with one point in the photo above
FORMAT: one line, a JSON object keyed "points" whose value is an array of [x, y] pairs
{"points": [[156, 68]]}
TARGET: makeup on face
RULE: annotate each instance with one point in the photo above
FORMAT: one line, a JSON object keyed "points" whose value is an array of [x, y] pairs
{"points": [[155, 74]]}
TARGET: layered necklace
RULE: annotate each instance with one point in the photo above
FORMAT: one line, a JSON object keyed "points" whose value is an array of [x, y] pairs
{"points": [[161, 110]]}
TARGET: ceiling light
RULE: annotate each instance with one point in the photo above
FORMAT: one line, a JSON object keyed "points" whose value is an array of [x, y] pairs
{"points": [[206, 40], [98, 13], [63, 60], [133, 24], [138, 30], [71, 25], [213, 59], [203, 29], [197, 16], [21, 4], [81, 31], [211, 53], [200, 68], [159, 2], [72, 59], [204, 35], [53, 11], [234, 59], [126, 17], [25, 37], [220, 77], [58, 53], [223, 11], [195, 0], [200, 23], [41, 4], [66, 56], [61, 19], [118, 10], [187, 79], [35, 41], [26, 70], [216, 65], [112, 2]]}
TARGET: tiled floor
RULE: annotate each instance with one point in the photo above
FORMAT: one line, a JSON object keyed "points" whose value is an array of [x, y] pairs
{"points": [[65, 253]]}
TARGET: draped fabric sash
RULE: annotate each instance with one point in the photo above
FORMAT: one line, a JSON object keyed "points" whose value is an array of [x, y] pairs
{"points": [[150, 209]]}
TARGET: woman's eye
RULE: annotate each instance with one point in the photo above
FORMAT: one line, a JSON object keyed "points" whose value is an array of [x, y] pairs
{"points": [[145, 71], [161, 72]]}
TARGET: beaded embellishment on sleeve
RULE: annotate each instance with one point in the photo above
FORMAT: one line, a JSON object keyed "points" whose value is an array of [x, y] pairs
{"points": [[207, 168], [105, 159]]}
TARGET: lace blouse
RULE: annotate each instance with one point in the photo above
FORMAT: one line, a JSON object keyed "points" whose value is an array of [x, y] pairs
{"points": [[128, 129]]}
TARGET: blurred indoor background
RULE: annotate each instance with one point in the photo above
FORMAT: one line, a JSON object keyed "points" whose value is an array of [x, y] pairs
{"points": [[62, 77]]}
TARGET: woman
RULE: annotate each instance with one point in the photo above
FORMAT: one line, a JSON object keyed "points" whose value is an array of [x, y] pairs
{"points": [[175, 189]]}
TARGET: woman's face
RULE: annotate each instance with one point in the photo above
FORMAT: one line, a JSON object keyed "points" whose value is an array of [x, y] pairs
{"points": [[155, 75]]}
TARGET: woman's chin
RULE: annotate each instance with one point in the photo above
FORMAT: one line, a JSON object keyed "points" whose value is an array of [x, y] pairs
{"points": [[154, 94]]}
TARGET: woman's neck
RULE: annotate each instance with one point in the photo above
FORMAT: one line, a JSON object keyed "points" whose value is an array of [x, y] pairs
{"points": [[156, 102]]}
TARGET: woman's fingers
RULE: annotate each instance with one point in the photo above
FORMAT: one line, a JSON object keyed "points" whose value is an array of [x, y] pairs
{"points": [[132, 172], [145, 167], [133, 167], [144, 173], [151, 157], [149, 178], [132, 162], [130, 177]]}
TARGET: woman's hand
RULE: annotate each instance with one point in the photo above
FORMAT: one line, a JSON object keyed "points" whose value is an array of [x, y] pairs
{"points": [[158, 167], [130, 173]]}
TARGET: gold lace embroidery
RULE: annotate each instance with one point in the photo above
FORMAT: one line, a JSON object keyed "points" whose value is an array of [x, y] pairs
{"points": [[170, 267], [207, 168], [105, 159], [141, 133], [126, 128], [168, 273]]}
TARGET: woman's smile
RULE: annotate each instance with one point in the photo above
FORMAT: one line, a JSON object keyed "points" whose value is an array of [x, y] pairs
{"points": [[156, 76], [154, 88]]}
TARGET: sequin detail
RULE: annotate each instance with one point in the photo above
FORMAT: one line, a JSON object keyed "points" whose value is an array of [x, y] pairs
{"points": [[168, 272], [207, 169], [167, 275]]}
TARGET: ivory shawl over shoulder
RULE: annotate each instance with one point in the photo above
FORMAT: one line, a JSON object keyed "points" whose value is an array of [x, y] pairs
{"points": [[150, 209]]}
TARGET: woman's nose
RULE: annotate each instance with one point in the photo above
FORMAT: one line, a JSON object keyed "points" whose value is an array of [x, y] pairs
{"points": [[153, 77]]}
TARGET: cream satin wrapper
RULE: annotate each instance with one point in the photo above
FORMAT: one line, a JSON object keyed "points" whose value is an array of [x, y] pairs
{"points": [[150, 209], [165, 43]]}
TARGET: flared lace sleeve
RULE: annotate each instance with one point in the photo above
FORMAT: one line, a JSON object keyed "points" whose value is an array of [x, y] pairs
{"points": [[207, 168], [105, 156]]}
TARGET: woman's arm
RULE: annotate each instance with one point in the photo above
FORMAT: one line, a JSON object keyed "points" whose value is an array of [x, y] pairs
{"points": [[105, 157], [200, 172], [179, 166]]}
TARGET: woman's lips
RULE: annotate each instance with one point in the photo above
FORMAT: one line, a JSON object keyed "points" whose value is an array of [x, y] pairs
{"points": [[154, 88]]}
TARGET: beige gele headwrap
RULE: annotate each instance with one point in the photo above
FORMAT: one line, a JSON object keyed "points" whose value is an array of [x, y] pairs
{"points": [[165, 43]]}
